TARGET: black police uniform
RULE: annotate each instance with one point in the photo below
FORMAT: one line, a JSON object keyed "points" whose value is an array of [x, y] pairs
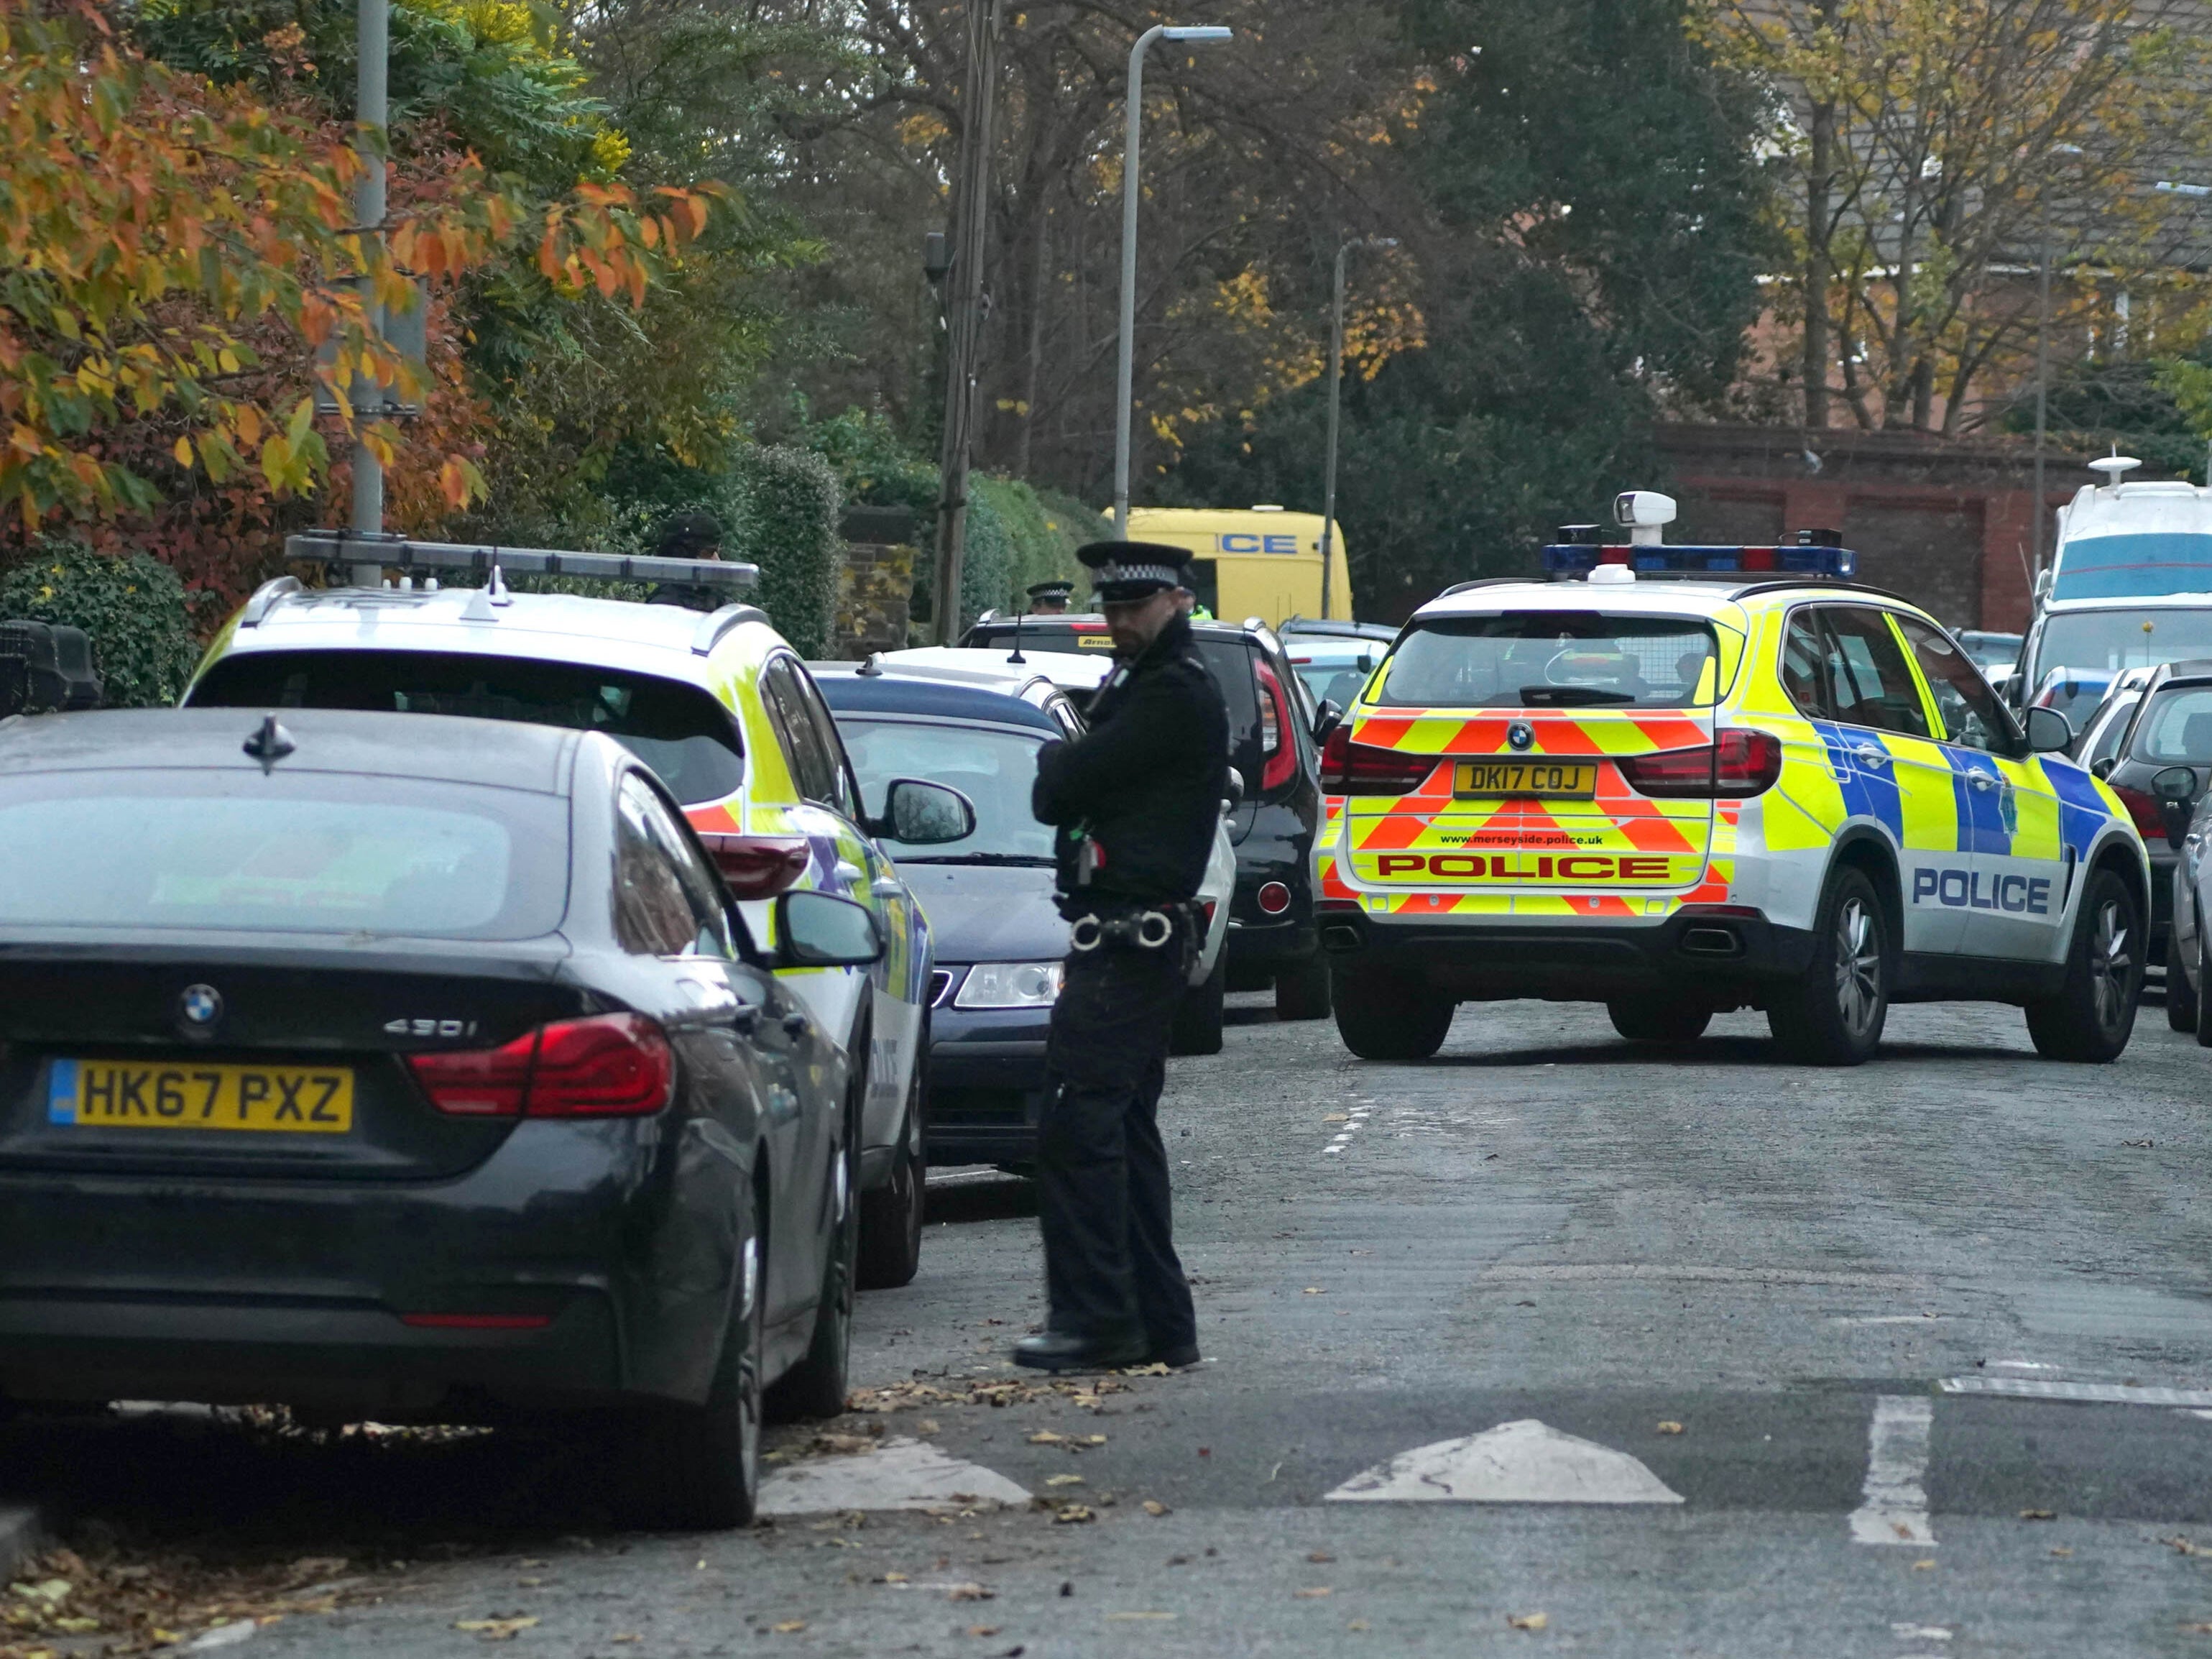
{"points": [[1136, 800]]}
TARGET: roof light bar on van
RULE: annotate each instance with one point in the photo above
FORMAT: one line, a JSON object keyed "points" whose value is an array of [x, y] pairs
{"points": [[339, 547], [1580, 558]]}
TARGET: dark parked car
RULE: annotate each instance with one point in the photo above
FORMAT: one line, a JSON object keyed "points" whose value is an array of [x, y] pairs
{"points": [[2158, 767], [412, 1069], [1273, 746]]}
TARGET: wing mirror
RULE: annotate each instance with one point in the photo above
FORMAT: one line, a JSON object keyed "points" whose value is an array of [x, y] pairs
{"points": [[2176, 789], [2049, 732], [820, 930], [919, 814], [1327, 719], [1234, 791]]}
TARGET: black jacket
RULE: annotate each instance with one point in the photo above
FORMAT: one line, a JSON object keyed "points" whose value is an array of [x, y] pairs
{"points": [[1145, 782]]}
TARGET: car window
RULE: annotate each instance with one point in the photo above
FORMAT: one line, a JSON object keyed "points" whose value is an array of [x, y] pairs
{"points": [[678, 730], [2176, 730], [840, 794], [995, 766], [666, 901], [1972, 716], [2110, 729], [1804, 665], [1867, 679], [812, 768], [1231, 663]]}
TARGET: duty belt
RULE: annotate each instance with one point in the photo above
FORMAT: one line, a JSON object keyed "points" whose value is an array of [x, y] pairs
{"points": [[1149, 930]]}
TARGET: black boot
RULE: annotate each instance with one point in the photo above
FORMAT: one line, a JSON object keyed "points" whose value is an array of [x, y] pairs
{"points": [[1062, 1350]]}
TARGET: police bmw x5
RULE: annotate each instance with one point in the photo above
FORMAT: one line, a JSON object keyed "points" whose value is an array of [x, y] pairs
{"points": [[1686, 780]]}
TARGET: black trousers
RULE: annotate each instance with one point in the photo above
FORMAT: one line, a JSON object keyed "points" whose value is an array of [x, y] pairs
{"points": [[1109, 1260]]}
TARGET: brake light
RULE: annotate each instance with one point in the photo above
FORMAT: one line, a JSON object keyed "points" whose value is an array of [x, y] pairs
{"points": [[1735, 763], [1361, 769], [2143, 808], [757, 867], [1281, 754], [607, 1066]]}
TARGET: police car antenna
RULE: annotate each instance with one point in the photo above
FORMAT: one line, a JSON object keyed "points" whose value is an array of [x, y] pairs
{"points": [[270, 744], [1015, 655]]}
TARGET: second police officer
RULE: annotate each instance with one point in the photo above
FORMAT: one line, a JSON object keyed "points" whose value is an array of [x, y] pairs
{"points": [[1134, 801]]}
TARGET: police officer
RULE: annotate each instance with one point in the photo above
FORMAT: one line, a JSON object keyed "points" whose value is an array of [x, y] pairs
{"points": [[688, 536], [1135, 800], [1049, 599]]}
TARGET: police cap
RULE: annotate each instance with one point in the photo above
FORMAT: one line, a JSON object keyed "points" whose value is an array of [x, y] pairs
{"points": [[1122, 571], [1056, 590]]}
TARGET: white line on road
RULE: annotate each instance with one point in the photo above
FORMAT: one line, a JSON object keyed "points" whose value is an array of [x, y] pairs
{"points": [[1895, 1509], [2094, 1394]]}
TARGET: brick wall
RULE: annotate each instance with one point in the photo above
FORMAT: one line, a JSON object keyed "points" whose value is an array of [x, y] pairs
{"points": [[1947, 525], [875, 594]]}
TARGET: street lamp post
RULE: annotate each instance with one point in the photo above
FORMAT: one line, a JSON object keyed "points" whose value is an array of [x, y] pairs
{"points": [[2043, 346], [1125, 385], [1335, 392], [373, 27]]}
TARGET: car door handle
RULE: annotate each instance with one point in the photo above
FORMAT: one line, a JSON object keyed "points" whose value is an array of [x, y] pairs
{"points": [[849, 871], [794, 1026], [1982, 780], [1869, 755], [745, 1020]]}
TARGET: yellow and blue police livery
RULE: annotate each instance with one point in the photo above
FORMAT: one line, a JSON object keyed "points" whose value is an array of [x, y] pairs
{"points": [[722, 708], [1682, 780]]}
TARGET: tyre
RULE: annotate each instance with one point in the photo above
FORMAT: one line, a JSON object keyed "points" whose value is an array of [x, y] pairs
{"points": [[1834, 1015], [2091, 1017], [2180, 996], [815, 1387], [1383, 1016], [890, 1217], [697, 1467], [1305, 992], [1197, 1027], [1659, 1021], [2203, 989]]}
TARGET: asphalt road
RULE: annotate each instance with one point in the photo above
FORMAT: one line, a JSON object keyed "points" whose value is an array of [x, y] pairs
{"points": [[1867, 1363]]}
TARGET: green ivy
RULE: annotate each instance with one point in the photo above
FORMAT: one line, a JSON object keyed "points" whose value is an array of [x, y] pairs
{"points": [[134, 608], [787, 524]]}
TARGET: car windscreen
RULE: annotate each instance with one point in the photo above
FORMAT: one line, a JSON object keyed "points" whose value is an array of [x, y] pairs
{"points": [[677, 729], [994, 766], [2176, 729], [2107, 641], [1335, 675], [1555, 659], [291, 852]]}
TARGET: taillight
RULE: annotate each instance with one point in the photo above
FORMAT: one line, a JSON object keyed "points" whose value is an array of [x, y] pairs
{"points": [[1361, 769], [757, 867], [607, 1066], [2149, 816], [1736, 763], [1281, 761]]}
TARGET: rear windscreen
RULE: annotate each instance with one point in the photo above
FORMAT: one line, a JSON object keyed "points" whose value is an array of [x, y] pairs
{"points": [[1555, 659], [1090, 643], [679, 731], [293, 851]]}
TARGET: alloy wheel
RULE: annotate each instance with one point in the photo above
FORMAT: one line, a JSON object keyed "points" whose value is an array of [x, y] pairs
{"points": [[1858, 966], [2112, 962]]}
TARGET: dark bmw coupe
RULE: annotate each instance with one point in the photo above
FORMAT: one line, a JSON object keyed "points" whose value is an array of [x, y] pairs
{"points": [[414, 1070]]}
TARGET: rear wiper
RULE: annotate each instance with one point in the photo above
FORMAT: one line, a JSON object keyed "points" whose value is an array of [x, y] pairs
{"points": [[1570, 697], [1030, 860]]}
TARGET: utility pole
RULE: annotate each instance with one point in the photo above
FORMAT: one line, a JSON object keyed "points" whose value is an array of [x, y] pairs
{"points": [[1820, 176], [1335, 394], [963, 314], [371, 114]]}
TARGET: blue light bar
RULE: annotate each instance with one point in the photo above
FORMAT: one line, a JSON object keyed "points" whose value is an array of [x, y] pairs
{"points": [[1580, 558]]}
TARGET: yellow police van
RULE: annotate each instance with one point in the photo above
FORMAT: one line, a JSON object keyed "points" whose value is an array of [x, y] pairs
{"points": [[1681, 781], [1258, 562]]}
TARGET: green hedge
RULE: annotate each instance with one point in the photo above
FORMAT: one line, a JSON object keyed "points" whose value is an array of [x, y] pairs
{"points": [[786, 522], [134, 608]]}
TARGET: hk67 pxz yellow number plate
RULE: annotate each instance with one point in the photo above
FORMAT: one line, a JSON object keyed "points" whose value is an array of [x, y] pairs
{"points": [[1546, 779], [102, 1094]]}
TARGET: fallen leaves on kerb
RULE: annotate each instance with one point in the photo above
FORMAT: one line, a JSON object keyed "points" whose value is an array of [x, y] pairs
{"points": [[1527, 1621], [496, 1630], [161, 1599]]}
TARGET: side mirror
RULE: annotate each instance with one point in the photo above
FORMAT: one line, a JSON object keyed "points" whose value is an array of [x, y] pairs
{"points": [[1327, 719], [820, 930], [2049, 732], [2176, 789], [1234, 788], [919, 814]]}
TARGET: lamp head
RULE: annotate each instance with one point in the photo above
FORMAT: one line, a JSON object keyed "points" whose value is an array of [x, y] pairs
{"points": [[1197, 32]]}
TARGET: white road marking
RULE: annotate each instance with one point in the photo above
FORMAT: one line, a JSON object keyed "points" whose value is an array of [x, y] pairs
{"points": [[2095, 1394], [1521, 1462], [1920, 1633], [1605, 1271], [899, 1475], [1895, 1509], [1882, 1319]]}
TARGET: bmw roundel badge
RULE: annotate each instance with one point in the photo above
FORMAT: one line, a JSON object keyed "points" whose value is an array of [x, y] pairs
{"points": [[1520, 734], [201, 1005]]}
